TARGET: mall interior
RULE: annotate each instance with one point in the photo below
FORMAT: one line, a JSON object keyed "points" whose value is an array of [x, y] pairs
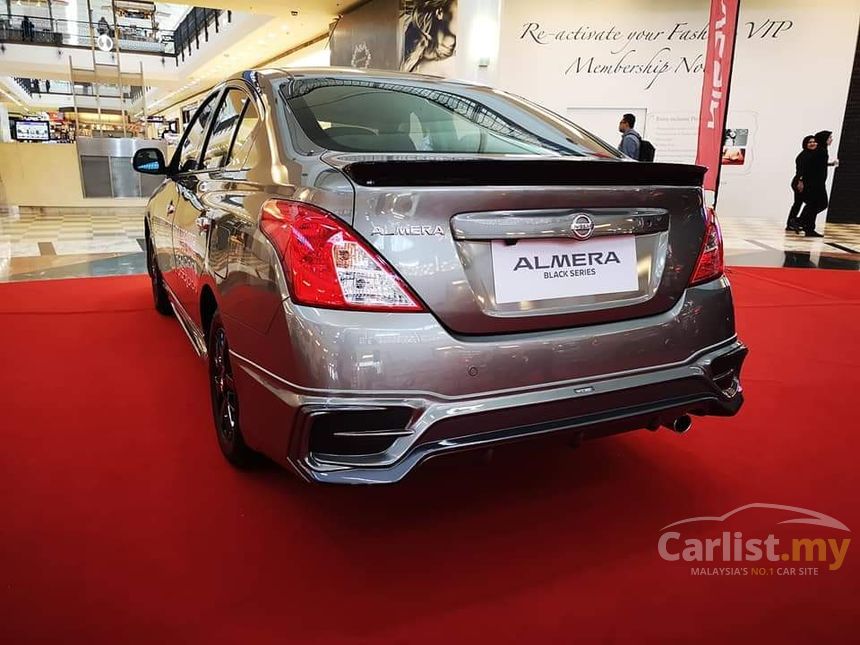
{"points": [[120, 519]]}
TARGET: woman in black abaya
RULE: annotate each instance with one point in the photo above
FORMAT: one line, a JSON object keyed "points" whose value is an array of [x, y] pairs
{"points": [[807, 150], [814, 183]]}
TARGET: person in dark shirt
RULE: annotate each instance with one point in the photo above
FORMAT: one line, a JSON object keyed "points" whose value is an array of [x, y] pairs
{"points": [[28, 29], [814, 183], [797, 184], [630, 139]]}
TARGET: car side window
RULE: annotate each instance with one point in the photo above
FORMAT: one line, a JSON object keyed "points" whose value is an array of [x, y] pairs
{"points": [[243, 151], [224, 129], [192, 140]]}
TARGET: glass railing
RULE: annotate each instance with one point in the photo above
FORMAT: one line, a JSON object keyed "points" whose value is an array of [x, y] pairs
{"points": [[74, 33]]}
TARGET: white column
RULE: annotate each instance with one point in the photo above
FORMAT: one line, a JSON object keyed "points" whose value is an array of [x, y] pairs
{"points": [[478, 40], [5, 131]]}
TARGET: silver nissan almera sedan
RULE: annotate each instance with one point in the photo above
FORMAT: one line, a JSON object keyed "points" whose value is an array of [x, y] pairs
{"points": [[381, 268]]}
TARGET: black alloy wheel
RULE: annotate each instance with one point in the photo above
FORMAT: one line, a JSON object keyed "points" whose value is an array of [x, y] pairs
{"points": [[225, 399], [159, 294]]}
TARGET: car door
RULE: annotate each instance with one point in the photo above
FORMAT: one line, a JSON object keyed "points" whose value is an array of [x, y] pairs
{"points": [[160, 222], [190, 231], [232, 193], [224, 186]]}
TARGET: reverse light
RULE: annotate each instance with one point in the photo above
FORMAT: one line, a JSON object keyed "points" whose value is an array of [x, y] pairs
{"points": [[327, 265], [710, 264]]}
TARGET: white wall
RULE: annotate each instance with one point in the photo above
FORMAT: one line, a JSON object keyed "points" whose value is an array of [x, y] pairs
{"points": [[784, 88], [477, 57], [792, 69]]}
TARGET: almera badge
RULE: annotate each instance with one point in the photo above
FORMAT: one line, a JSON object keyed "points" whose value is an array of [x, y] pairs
{"points": [[546, 269]]}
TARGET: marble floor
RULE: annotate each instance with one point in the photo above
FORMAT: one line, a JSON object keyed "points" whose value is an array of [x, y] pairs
{"points": [[45, 243], [761, 242]]}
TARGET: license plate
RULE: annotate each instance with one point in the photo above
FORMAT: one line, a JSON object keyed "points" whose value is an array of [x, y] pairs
{"points": [[546, 269]]}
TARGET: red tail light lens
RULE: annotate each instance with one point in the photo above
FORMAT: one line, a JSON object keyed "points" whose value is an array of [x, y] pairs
{"points": [[710, 265], [327, 265]]}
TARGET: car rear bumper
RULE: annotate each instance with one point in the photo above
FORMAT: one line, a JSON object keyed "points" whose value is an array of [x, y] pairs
{"points": [[355, 353], [364, 440]]}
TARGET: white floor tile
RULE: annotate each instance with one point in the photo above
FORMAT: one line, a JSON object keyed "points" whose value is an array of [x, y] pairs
{"points": [[79, 247]]}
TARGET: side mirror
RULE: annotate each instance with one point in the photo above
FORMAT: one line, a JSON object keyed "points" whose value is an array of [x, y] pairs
{"points": [[149, 161]]}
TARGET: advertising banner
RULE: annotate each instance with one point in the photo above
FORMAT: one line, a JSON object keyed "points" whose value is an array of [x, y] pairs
{"points": [[411, 35], [428, 36], [32, 131], [366, 38], [722, 30]]}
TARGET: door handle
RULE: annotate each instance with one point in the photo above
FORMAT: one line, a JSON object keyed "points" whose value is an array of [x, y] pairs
{"points": [[203, 222]]}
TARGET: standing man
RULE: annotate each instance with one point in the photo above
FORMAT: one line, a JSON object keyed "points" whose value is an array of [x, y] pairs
{"points": [[630, 139], [28, 29]]}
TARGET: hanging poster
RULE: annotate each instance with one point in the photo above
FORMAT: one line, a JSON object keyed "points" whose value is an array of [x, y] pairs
{"points": [[428, 32]]}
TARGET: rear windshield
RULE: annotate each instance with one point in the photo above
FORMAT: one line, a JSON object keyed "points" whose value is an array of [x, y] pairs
{"points": [[357, 115]]}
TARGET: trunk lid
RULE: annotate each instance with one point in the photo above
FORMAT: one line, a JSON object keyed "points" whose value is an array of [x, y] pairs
{"points": [[497, 245]]}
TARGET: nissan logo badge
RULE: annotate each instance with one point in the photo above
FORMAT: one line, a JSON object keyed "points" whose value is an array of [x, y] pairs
{"points": [[582, 227]]}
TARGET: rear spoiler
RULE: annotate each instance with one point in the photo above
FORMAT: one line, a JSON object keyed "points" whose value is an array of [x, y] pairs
{"points": [[518, 172]]}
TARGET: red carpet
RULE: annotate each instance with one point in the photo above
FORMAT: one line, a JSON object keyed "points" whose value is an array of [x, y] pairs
{"points": [[121, 523]]}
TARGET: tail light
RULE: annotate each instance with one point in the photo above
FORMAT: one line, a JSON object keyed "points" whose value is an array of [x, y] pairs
{"points": [[710, 264], [327, 265]]}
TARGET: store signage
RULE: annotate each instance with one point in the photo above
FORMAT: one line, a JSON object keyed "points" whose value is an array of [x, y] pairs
{"points": [[155, 119], [723, 25], [32, 130], [104, 43]]}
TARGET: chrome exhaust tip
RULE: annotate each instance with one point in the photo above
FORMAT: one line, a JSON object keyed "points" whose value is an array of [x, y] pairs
{"points": [[682, 424]]}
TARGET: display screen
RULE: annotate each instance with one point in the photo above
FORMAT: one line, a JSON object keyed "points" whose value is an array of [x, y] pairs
{"points": [[32, 131]]}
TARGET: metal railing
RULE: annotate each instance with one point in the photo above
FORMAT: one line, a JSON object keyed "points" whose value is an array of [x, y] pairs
{"points": [[56, 32], [197, 23], [64, 88], [75, 33]]}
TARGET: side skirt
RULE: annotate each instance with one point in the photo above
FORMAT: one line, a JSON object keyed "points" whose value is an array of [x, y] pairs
{"points": [[192, 331]]}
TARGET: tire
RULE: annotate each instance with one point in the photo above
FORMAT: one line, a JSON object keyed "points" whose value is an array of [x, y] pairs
{"points": [[159, 293], [225, 399]]}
